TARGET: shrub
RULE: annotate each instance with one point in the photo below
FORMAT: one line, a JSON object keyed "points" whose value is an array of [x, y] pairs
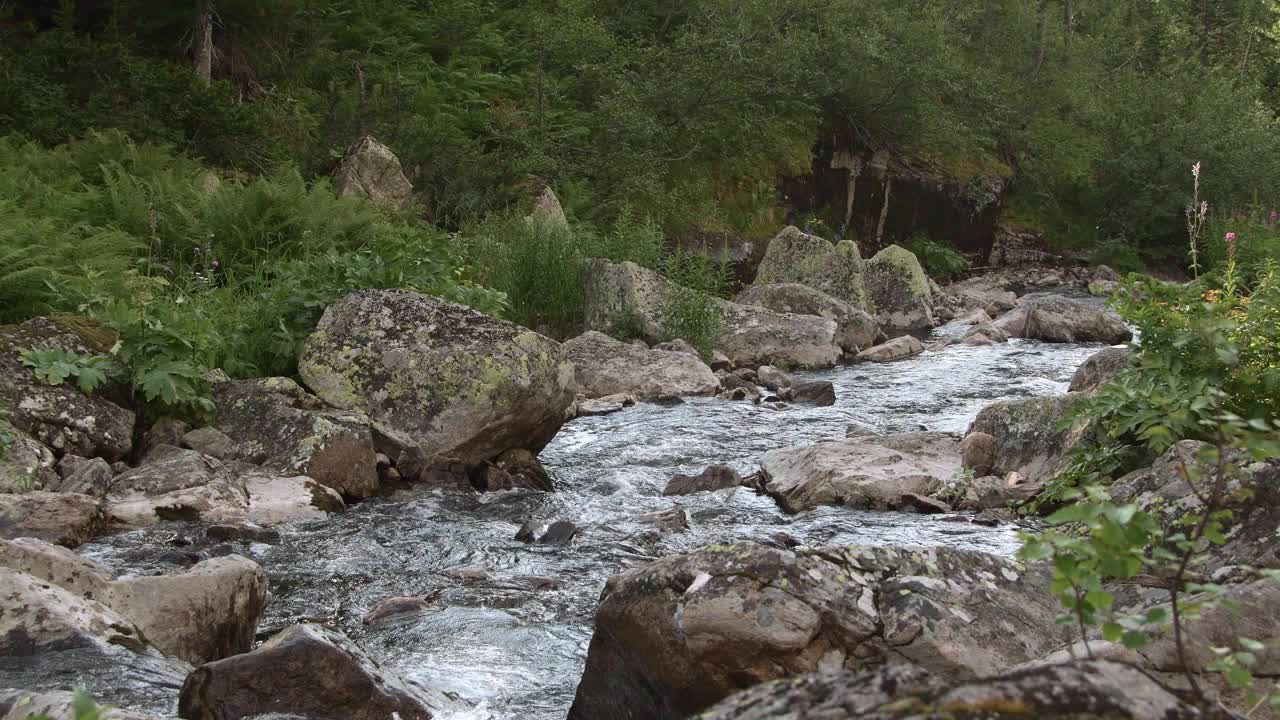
{"points": [[691, 311], [1257, 236], [938, 259], [1119, 255]]}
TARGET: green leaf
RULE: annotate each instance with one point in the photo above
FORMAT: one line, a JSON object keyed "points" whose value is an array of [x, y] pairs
{"points": [[1133, 639]]}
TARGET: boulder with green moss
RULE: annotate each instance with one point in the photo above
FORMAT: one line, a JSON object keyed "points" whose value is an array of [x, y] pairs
{"points": [[61, 417], [797, 257], [899, 290], [1029, 436], [452, 381], [275, 423], [857, 330], [675, 636]]}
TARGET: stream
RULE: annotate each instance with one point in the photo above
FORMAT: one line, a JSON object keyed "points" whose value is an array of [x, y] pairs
{"points": [[509, 624]]}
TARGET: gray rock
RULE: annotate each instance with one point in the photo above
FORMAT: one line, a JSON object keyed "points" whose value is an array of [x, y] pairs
{"points": [[548, 211], [716, 477], [978, 453], [456, 383], [165, 431], [668, 522], [1060, 319], [514, 470], [306, 670], [60, 416], [604, 366], [865, 472], [91, 477], [856, 330], [54, 705], [560, 533], [210, 441], [27, 465], [63, 518], [835, 269], [678, 345], [369, 169], [899, 291], [895, 349], [675, 636], [814, 392], [607, 405], [1029, 439], [1100, 368], [773, 378]]}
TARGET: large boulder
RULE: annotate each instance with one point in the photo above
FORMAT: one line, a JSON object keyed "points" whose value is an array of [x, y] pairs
{"points": [[369, 169], [1029, 437], [277, 424], [1061, 319], [604, 366], [677, 635], [1100, 368], [49, 634], [455, 382], [63, 518], [305, 670], [206, 613], [856, 330], [60, 416], [25, 464], [872, 471], [895, 349], [1087, 689], [178, 484], [797, 257], [899, 291], [625, 296]]}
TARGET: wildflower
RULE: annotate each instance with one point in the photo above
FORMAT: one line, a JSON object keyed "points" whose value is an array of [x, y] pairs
{"points": [[1231, 245], [1195, 170]]}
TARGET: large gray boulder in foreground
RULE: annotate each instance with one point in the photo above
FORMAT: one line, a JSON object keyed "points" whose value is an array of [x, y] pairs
{"points": [[457, 383], [797, 257], [856, 330], [675, 636], [627, 298], [604, 366], [1095, 689], [872, 471]]}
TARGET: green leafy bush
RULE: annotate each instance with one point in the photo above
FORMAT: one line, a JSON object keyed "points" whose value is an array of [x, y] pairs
{"points": [[53, 366], [938, 259], [1256, 233], [1119, 255], [691, 311]]}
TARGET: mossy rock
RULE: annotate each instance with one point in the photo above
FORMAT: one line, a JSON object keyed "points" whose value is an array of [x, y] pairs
{"points": [[899, 290], [796, 257], [458, 383]]}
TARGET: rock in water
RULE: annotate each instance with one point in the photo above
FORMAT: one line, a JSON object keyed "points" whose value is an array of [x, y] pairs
{"points": [[899, 291], [895, 349], [873, 471], [856, 329], [814, 392], [63, 518], [1029, 437], [716, 477], [277, 424], [369, 169], [797, 257], [1060, 319], [677, 635], [604, 366], [1100, 368], [60, 416], [1094, 689], [457, 383], [305, 670]]}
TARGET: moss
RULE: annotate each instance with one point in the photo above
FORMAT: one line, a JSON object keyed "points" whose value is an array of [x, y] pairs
{"points": [[795, 257]]}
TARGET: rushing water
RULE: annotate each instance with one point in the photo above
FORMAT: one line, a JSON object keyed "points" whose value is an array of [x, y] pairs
{"points": [[495, 634]]}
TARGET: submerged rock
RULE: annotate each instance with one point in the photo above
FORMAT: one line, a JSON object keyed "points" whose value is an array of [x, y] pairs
{"points": [[716, 477], [604, 366], [856, 330], [873, 472], [797, 257], [453, 381], [896, 349], [60, 416], [899, 291], [277, 424], [677, 635], [305, 670]]}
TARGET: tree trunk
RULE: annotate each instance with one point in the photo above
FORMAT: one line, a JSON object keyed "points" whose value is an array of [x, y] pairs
{"points": [[1042, 33], [884, 210], [851, 190], [204, 43]]}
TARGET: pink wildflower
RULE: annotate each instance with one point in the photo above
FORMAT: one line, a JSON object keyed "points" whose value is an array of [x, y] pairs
{"points": [[1231, 245]]}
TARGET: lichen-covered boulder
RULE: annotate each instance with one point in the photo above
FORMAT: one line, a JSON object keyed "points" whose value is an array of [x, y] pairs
{"points": [[604, 366], [63, 518], [178, 484], [895, 349], [873, 471], [625, 296], [548, 211], [1100, 368], [60, 416], [310, 671], [797, 257], [277, 424], [457, 383], [58, 565], [856, 330], [369, 169], [49, 634], [55, 705], [677, 635], [1029, 437], [26, 464], [1096, 689], [899, 290], [1061, 319]]}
